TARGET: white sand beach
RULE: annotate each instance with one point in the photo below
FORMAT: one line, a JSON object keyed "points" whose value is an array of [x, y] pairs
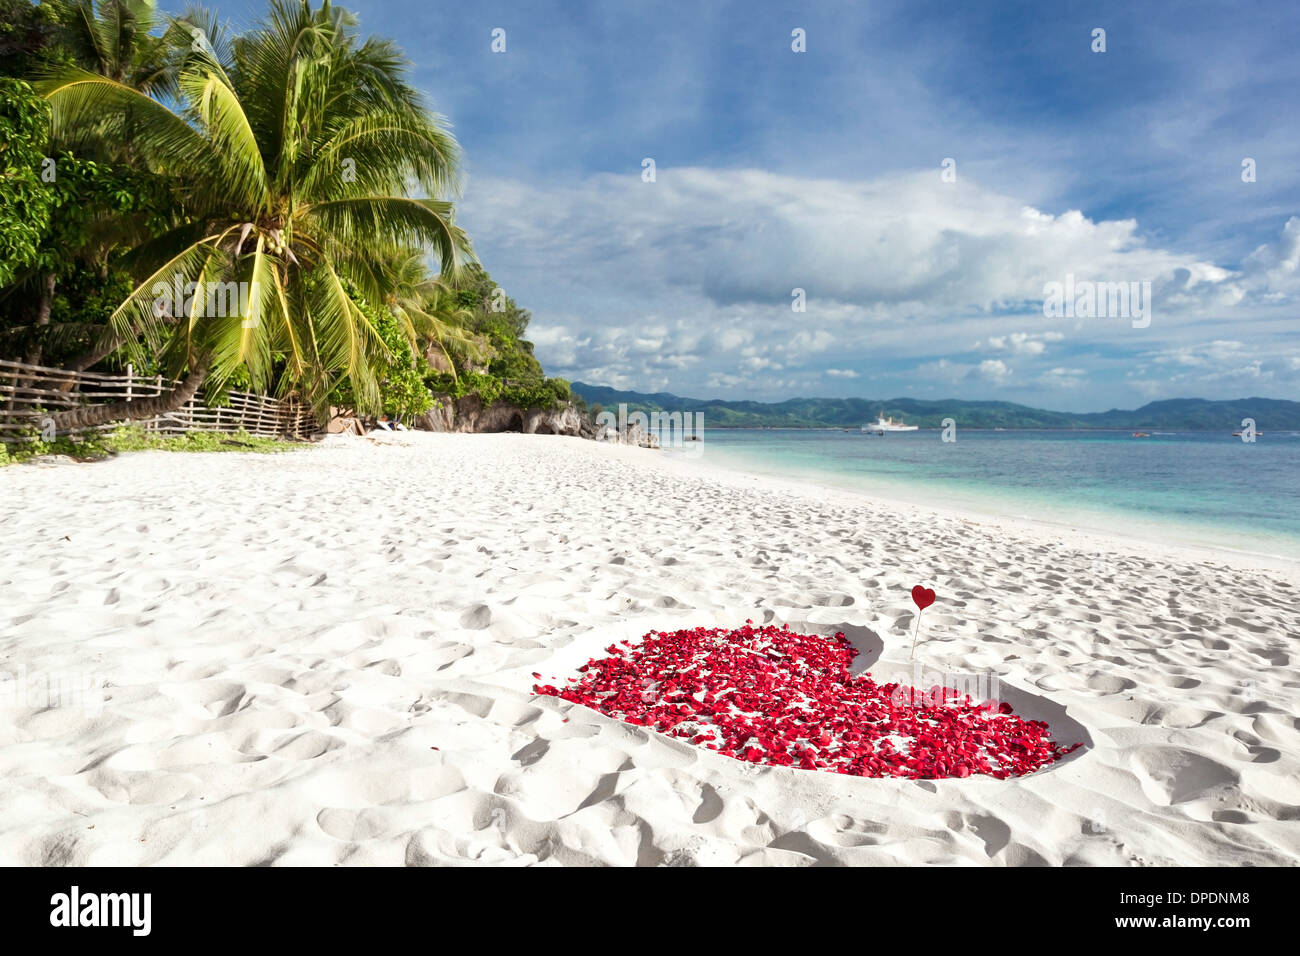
{"points": [[325, 657]]}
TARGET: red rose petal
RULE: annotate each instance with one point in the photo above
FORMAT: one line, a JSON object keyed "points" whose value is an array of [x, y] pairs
{"points": [[767, 695]]}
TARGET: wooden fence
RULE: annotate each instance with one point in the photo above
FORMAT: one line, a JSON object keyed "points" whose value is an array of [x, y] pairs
{"points": [[29, 393]]}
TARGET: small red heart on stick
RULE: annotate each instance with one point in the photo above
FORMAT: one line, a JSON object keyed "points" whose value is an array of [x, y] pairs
{"points": [[923, 597]]}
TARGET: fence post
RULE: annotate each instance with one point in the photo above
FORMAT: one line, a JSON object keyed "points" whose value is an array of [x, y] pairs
{"points": [[130, 376]]}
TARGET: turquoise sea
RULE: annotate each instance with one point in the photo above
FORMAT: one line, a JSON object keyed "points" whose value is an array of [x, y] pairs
{"points": [[1195, 488]]}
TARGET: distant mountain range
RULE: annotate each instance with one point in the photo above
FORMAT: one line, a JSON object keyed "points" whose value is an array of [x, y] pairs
{"points": [[1175, 414]]}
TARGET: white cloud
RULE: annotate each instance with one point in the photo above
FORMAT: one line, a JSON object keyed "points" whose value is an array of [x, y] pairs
{"points": [[1274, 268], [688, 280], [1061, 377], [1228, 363], [994, 370], [1023, 343]]}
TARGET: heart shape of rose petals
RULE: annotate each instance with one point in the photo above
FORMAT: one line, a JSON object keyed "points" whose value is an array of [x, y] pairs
{"points": [[923, 597], [768, 695]]}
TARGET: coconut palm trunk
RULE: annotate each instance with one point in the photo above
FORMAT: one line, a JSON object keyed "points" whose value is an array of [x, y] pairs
{"points": [[44, 305], [108, 344], [91, 416]]}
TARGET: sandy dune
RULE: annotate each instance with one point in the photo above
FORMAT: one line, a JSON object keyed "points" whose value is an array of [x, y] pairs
{"points": [[326, 657]]}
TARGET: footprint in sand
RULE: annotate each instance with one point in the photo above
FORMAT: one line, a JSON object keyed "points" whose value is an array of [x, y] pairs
{"points": [[476, 618], [1171, 775], [216, 698]]}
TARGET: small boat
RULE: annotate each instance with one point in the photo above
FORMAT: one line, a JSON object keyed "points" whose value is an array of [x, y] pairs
{"points": [[1141, 435], [1238, 434], [882, 425]]}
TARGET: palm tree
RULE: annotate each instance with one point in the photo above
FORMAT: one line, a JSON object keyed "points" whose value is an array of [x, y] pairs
{"points": [[115, 38], [295, 151], [427, 309], [129, 42]]}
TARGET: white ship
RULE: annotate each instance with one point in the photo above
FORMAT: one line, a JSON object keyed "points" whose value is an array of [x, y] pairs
{"points": [[883, 424]]}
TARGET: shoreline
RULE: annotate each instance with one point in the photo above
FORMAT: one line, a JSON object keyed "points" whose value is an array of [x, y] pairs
{"points": [[812, 486]]}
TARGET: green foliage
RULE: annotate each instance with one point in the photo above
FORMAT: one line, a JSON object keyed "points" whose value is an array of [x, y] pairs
{"points": [[486, 387], [124, 40], [63, 216], [83, 301], [544, 393], [477, 292], [95, 446], [91, 199], [25, 36], [134, 438], [511, 373], [531, 391], [28, 444], [26, 203], [87, 297], [402, 390]]}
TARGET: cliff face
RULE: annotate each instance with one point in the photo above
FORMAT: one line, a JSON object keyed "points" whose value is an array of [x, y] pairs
{"points": [[469, 414]]}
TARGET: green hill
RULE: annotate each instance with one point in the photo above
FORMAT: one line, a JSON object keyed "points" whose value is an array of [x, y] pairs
{"points": [[1177, 414]]}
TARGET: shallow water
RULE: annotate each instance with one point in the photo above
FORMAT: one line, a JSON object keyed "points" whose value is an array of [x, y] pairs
{"points": [[1196, 488]]}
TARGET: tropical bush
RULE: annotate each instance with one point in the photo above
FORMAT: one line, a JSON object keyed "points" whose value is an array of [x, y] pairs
{"points": [[25, 202], [402, 390]]}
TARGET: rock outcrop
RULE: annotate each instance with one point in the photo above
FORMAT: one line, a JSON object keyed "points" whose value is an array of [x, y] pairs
{"points": [[634, 435], [470, 414]]}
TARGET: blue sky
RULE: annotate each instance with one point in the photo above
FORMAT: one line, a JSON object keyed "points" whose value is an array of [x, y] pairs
{"points": [[820, 170]]}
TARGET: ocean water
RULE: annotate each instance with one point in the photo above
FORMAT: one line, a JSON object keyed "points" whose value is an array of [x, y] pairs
{"points": [[1196, 488]]}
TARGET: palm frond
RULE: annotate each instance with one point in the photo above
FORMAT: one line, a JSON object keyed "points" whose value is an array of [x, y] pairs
{"points": [[398, 221], [222, 115], [84, 103]]}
